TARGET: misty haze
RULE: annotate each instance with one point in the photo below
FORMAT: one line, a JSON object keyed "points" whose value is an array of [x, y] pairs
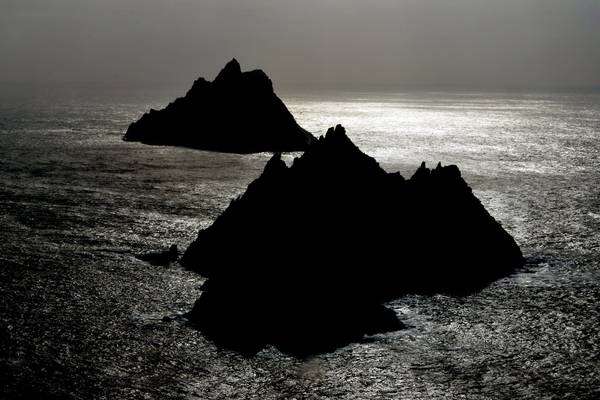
{"points": [[496, 43]]}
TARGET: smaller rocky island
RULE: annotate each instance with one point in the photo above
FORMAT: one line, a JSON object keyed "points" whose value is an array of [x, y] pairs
{"points": [[238, 112], [162, 258], [306, 258]]}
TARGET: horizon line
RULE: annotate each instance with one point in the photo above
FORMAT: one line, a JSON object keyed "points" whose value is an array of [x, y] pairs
{"points": [[315, 85]]}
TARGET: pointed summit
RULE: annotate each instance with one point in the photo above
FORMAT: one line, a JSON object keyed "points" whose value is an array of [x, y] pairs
{"points": [[231, 70], [334, 152], [338, 131], [338, 139]]}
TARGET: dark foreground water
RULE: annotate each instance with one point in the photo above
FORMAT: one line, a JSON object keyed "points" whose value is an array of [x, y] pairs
{"points": [[80, 317]]}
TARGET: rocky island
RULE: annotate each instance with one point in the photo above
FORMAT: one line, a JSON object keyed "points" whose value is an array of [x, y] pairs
{"points": [[306, 258], [238, 112]]}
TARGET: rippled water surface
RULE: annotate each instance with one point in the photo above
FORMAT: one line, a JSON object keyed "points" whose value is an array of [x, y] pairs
{"points": [[80, 317]]}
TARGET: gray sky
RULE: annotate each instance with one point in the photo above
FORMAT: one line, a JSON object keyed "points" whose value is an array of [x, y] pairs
{"points": [[432, 42]]}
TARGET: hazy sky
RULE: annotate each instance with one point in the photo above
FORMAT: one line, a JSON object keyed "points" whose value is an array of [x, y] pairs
{"points": [[445, 42]]}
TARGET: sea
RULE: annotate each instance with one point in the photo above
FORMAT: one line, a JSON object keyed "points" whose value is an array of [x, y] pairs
{"points": [[82, 318]]}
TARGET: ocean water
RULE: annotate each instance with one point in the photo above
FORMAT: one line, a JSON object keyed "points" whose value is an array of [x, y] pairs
{"points": [[81, 317]]}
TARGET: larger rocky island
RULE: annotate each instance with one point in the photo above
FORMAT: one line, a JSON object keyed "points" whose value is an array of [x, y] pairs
{"points": [[237, 113], [306, 258]]}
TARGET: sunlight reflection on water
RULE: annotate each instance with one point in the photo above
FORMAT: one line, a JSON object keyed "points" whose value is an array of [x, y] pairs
{"points": [[77, 204]]}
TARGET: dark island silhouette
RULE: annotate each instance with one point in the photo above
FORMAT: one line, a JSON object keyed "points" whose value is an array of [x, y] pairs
{"points": [[306, 257], [237, 113]]}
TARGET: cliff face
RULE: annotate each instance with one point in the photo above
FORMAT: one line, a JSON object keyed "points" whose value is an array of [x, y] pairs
{"points": [[238, 112], [307, 255]]}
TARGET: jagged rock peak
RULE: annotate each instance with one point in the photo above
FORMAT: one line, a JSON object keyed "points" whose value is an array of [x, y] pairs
{"points": [[275, 164], [333, 152], [338, 131], [337, 137], [335, 141], [448, 172], [231, 70]]}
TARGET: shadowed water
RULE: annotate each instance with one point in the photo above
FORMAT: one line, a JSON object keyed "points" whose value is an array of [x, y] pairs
{"points": [[81, 317]]}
